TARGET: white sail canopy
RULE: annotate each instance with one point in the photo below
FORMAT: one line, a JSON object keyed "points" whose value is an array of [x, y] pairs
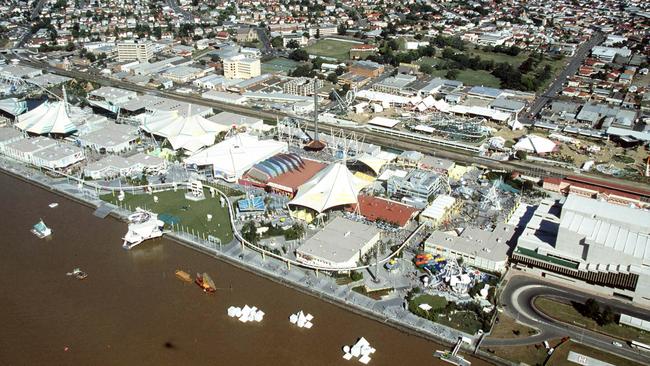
{"points": [[331, 187], [535, 144], [190, 133], [47, 118], [13, 106]]}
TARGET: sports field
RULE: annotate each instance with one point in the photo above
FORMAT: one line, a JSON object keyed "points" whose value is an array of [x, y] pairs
{"points": [[333, 48], [279, 64]]}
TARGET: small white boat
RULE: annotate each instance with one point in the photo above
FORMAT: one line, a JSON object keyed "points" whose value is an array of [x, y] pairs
{"points": [[139, 216], [78, 274], [53, 205], [144, 226], [41, 230]]}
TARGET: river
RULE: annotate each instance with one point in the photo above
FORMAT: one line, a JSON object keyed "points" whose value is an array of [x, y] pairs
{"points": [[132, 310]]}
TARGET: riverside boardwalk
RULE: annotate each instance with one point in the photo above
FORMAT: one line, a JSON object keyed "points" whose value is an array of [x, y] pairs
{"points": [[390, 311]]}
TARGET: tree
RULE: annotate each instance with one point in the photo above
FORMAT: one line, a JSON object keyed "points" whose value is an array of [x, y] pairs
{"points": [[332, 78], [452, 74], [249, 232], [426, 69], [342, 29], [591, 308], [276, 42], [293, 44], [303, 71], [299, 55], [607, 316], [317, 63], [317, 36]]}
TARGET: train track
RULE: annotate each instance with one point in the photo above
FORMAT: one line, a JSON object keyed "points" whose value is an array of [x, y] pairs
{"points": [[377, 138]]}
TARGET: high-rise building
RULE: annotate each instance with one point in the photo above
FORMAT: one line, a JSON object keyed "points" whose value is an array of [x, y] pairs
{"points": [[133, 50], [241, 67]]}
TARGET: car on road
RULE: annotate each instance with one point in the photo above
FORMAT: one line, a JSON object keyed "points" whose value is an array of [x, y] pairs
{"points": [[617, 344]]}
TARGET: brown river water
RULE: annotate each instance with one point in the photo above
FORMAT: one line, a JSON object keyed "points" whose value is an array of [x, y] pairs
{"points": [[132, 310]]}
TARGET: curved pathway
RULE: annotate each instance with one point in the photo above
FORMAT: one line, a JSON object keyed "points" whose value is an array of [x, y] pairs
{"points": [[518, 297]]}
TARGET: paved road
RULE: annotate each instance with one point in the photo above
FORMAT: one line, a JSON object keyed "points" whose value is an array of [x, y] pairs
{"points": [[517, 299], [571, 68], [263, 36], [177, 9], [37, 9]]}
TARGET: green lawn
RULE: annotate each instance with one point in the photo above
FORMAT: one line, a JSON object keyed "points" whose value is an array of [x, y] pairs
{"points": [[472, 77], [465, 321], [190, 214], [507, 327], [499, 57], [568, 314], [561, 353], [529, 354], [279, 64], [436, 302], [331, 48]]}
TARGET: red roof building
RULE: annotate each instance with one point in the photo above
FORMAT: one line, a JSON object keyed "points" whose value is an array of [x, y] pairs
{"points": [[376, 208]]}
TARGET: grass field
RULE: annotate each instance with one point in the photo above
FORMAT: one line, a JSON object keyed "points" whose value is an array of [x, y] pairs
{"points": [[529, 355], [465, 321], [436, 302], [472, 77], [499, 57], [279, 64], [331, 48], [561, 353], [190, 214], [509, 328], [480, 77], [568, 314]]}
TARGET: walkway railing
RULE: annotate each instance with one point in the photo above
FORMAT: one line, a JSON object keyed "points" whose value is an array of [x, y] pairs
{"points": [[231, 215]]}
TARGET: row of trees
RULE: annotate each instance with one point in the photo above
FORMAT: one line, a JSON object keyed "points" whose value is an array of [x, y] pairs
{"points": [[592, 310]]}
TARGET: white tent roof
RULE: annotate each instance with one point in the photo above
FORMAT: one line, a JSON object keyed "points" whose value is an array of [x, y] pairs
{"points": [[190, 133], [373, 162], [535, 144], [234, 156], [47, 118], [13, 106], [331, 187]]}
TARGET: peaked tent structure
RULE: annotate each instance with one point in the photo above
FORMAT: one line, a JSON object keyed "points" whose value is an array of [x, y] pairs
{"points": [[232, 157], [535, 144], [47, 118], [13, 106], [331, 187], [189, 133]]}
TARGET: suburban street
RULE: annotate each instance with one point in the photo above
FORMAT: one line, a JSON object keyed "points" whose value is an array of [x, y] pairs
{"points": [[517, 300], [177, 9], [556, 86]]}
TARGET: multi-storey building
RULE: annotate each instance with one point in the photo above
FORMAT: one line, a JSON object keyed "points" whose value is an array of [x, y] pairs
{"points": [[132, 50], [241, 67]]}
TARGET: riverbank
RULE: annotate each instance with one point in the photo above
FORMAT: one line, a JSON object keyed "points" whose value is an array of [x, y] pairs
{"points": [[306, 282]]}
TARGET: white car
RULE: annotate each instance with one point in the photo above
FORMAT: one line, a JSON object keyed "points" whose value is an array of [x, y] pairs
{"points": [[617, 344]]}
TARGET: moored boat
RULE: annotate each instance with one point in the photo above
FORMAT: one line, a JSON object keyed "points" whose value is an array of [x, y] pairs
{"points": [[41, 230], [205, 282], [78, 274], [144, 225], [184, 276]]}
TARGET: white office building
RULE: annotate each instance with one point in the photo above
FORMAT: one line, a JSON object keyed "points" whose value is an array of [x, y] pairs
{"points": [[133, 50], [241, 67]]}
